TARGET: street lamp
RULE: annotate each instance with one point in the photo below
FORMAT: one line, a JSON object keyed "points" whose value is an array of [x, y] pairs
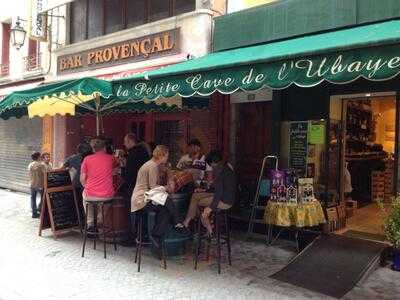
{"points": [[18, 34]]}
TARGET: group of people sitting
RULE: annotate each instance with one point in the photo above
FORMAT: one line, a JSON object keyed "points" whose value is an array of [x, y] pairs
{"points": [[212, 183], [218, 192]]}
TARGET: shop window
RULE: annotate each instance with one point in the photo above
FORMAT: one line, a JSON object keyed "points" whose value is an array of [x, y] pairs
{"points": [[78, 21], [114, 16], [303, 149], [184, 6], [139, 129], [136, 13], [159, 9], [171, 134], [95, 18]]}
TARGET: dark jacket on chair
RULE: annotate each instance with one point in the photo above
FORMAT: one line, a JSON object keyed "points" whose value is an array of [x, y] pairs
{"points": [[224, 186]]}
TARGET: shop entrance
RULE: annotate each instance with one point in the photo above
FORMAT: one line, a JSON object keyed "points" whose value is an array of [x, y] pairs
{"points": [[362, 153], [253, 138], [250, 142]]}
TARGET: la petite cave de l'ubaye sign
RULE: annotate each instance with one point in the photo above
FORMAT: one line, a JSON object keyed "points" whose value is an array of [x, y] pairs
{"points": [[138, 49]]}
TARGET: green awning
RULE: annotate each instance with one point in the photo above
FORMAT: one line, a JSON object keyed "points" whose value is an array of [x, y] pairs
{"points": [[78, 97], [371, 52], [57, 98]]}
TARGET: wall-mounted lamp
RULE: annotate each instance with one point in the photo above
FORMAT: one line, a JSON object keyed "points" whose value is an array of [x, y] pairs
{"points": [[18, 34]]}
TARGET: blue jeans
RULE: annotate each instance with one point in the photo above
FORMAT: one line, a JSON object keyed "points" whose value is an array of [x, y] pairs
{"points": [[34, 192]]}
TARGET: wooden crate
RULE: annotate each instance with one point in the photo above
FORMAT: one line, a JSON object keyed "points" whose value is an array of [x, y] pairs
{"points": [[332, 220], [336, 218], [341, 209], [351, 207], [378, 186]]}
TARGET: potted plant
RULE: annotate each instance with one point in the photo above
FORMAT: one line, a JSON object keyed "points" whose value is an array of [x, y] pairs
{"points": [[391, 225]]}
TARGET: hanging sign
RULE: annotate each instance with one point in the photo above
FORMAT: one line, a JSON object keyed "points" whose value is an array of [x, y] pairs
{"points": [[298, 147], [37, 22]]}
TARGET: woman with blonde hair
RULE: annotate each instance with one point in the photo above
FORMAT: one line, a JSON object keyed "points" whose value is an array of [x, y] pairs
{"points": [[148, 179]]}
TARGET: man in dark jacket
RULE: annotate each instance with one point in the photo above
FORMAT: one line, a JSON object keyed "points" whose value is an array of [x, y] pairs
{"points": [[137, 156], [73, 165]]}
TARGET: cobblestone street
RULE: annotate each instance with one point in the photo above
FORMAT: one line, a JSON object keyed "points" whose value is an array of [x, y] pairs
{"points": [[33, 267]]}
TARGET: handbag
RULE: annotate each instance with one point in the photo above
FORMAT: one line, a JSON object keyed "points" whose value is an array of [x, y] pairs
{"points": [[181, 178]]}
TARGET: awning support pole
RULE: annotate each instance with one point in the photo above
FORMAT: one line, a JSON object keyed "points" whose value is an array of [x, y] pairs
{"points": [[97, 102]]}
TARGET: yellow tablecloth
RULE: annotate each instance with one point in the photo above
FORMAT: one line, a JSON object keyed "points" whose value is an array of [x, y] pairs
{"points": [[292, 214]]}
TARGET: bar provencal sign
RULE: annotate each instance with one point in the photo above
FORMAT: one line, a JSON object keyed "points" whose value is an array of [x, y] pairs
{"points": [[139, 49], [375, 64]]}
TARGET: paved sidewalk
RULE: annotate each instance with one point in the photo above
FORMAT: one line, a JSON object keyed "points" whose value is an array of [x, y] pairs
{"points": [[33, 267]]}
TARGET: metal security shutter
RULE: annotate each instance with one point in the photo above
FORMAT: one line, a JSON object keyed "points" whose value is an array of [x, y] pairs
{"points": [[18, 139]]}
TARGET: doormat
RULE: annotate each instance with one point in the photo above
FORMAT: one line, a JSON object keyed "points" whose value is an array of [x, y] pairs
{"points": [[364, 235], [332, 265]]}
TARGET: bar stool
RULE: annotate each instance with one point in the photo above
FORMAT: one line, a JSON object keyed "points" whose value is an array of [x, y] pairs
{"points": [[140, 243], [222, 236], [97, 204]]}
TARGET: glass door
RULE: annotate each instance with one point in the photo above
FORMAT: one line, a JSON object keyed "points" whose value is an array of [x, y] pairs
{"points": [[336, 146]]}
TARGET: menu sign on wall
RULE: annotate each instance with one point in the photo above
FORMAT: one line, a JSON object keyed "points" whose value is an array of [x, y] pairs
{"points": [[298, 147], [138, 49]]}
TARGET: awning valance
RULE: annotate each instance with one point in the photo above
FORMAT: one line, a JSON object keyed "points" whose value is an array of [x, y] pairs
{"points": [[55, 98], [370, 51]]}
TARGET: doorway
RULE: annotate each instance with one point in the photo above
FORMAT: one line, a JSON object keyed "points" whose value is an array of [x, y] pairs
{"points": [[253, 138], [362, 153]]}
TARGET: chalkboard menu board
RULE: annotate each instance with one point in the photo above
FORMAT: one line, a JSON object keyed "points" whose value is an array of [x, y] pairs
{"points": [[63, 209], [60, 209], [58, 178], [298, 147]]}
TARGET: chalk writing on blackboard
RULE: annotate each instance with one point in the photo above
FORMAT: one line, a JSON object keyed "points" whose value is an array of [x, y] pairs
{"points": [[298, 147]]}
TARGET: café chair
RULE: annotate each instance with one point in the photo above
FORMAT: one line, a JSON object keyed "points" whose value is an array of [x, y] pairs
{"points": [[97, 233], [140, 241], [221, 235]]}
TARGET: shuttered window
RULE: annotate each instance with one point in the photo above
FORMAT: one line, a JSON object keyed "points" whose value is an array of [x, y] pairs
{"points": [[5, 50], [136, 13], [159, 9], [183, 6], [114, 15], [78, 21], [93, 18]]}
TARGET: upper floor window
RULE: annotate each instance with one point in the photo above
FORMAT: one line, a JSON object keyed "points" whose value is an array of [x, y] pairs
{"points": [[78, 19], [5, 50], [92, 18], [159, 10]]}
